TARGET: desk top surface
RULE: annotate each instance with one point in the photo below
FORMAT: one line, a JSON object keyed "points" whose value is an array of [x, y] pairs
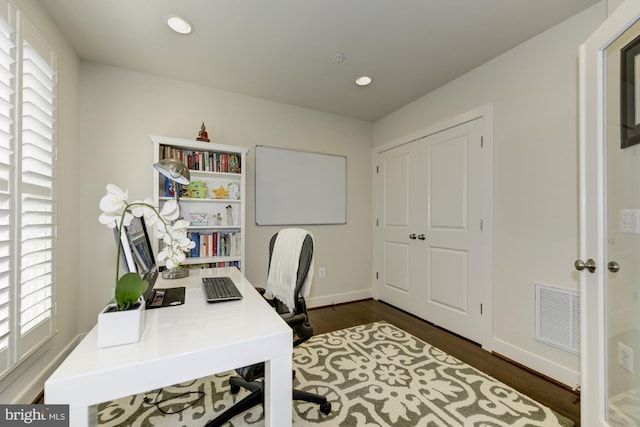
{"points": [[193, 333]]}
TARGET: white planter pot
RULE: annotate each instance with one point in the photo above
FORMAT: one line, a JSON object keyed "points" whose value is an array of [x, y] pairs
{"points": [[120, 327]]}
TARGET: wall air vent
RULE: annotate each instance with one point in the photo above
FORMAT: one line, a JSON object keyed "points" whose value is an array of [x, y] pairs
{"points": [[558, 317]]}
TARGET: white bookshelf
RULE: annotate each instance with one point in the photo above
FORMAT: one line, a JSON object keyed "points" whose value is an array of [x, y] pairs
{"points": [[209, 205]]}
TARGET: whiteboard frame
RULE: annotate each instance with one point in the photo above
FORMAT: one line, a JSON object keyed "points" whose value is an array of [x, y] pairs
{"points": [[295, 187]]}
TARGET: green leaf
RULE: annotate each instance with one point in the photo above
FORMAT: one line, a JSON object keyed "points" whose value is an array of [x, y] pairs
{"points": [[128, 289]]}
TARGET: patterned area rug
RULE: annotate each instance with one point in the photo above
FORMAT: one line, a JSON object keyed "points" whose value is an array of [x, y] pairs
{"points": [[373, 375]]}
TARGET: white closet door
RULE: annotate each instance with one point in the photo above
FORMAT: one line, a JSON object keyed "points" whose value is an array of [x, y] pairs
{"points": [[451, 220], [428, 250], [397, 249]]}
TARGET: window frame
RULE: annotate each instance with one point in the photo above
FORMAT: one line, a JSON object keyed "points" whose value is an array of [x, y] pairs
{"points": [[20, 346]]}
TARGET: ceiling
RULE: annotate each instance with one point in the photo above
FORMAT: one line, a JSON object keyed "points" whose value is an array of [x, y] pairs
{"points": [[285, 50]]}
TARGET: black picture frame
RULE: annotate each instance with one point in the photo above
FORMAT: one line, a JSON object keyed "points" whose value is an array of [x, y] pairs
{"points": [[629, 102]]}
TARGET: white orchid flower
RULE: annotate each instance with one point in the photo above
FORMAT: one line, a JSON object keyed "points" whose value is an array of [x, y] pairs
{"points": [[179, 257], [187, 244], [116, 210], [115, 200], [162, 255], [146, 209], [112, 220], [170, 211]]}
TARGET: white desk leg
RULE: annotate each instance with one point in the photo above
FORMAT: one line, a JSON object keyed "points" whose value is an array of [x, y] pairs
{"points": [[82, 416], [278, 392]]}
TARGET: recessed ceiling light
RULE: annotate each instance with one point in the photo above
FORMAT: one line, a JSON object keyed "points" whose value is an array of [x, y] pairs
{"points": [[179, 25], [363, 81]]}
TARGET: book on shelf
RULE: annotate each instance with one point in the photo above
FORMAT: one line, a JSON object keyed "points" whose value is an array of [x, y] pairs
{"points": [[205, 161], [236, 264], [214, 243], [169, 187]]}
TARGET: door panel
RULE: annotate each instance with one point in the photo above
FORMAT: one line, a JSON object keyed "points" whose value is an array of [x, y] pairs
{"points": [[454, 236], [396, 267], [397, 170], [449, 268], [448, 177]]}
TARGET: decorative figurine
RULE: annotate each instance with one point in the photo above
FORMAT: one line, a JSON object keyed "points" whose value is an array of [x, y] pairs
{"points": [[234, 191], [203, 135], [220, 192], [229, 215], [218, 219], [197, 190]]}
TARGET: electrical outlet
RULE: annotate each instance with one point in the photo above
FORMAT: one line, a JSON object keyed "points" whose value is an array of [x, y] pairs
{"points": [[630, 221], [625, 357], [322, 272]]}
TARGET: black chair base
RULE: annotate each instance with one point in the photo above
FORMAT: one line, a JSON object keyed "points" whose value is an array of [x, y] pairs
{"points": [[257, 398]]}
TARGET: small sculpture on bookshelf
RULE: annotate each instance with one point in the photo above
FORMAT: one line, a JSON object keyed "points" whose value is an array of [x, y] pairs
{"points": [[203, 135], [234, 191], [220, 192], [218, 218], [229, 209], [197, 190]]}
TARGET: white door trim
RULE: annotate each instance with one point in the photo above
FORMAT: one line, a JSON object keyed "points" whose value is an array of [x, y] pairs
{"points": [[486, 114], [592, 197]]}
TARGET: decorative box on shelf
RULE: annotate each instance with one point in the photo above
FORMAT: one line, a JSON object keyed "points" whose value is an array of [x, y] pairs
{"points": [[199, 218]]}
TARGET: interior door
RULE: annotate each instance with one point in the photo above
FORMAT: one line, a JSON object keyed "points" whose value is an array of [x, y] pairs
{"points": [[452, 220], [397, 250], [610, 220], [429, 251]]}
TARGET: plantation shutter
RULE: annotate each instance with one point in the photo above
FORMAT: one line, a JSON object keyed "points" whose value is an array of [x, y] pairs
{"points": [[37, 183], [7, 158]]}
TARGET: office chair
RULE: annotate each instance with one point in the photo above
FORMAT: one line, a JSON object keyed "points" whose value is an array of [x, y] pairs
{"points": [[249, 376]]}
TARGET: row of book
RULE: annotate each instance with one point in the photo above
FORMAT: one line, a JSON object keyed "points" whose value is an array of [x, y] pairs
{"points": [[210, 244], [206, 161], [214, 265]]}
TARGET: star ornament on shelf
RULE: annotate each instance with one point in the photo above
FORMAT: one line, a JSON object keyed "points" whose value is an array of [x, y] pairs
{"points": [[220, 192]]}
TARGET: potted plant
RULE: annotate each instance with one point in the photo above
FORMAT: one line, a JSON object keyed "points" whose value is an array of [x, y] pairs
{"points": [[122, 322]]}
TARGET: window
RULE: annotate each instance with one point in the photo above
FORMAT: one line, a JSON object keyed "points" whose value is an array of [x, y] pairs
{"points": [[27, 188]]}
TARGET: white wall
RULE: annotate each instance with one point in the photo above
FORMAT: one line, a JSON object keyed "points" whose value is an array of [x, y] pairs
{"points": [[121, 108], [24, 384], [533, 89]]}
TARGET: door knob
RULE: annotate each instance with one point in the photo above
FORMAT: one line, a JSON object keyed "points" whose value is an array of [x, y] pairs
{"points": [[613, 266], [589, 265], [421, 236], [412, 236]]}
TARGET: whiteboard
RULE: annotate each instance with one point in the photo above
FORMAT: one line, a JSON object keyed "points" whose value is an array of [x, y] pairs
{"points": [[299, 187]]}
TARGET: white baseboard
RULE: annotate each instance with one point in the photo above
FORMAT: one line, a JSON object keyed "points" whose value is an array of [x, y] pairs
{"points": [[339, 298], [547, 367]]}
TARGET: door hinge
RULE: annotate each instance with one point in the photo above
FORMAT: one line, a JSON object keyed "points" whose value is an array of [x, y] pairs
{"points": [[377, 222], [377, 169], [481, 225], [482, 142], [376, 275], [481, 309]]}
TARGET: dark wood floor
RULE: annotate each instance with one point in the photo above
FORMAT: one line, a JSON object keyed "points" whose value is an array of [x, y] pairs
{"points": [[555, 396]]}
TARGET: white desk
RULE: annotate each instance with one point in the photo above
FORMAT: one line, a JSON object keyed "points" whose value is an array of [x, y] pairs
{"points": [[182, 343]]}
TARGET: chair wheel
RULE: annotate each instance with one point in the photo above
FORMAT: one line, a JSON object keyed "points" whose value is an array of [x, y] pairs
{"points": [[325, 408], [235, 389]]}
